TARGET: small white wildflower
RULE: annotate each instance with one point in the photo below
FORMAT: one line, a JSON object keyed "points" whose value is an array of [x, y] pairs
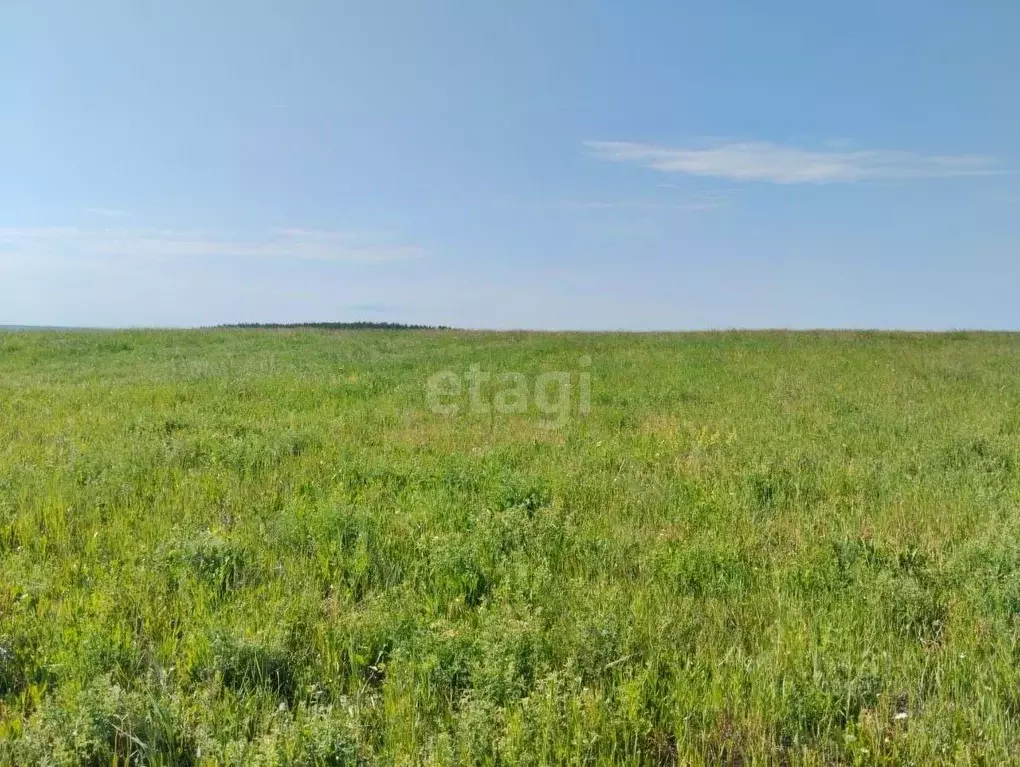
{"points": [[901, 716]]}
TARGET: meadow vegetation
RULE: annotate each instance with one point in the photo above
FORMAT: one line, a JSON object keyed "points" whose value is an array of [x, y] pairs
{"points": [[261, 547]]}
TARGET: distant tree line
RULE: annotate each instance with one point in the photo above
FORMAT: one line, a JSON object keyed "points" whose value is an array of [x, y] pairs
{"points": [[334, 326]]}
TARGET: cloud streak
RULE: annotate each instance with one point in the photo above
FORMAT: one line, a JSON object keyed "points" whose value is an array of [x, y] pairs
{"points": [[766, 162], [300, 244]]}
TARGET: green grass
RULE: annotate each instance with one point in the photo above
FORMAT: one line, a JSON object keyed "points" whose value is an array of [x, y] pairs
{"points": [[261, 547]]}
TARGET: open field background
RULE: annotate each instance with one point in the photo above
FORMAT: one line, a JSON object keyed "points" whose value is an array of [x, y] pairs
{"points": [[261, 547]]}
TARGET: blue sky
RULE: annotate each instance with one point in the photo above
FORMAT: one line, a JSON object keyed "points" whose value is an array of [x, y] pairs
{"points": [[653, 165]]}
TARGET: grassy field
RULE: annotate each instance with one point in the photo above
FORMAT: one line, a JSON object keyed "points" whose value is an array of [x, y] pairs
{"points": [[267, 547]]}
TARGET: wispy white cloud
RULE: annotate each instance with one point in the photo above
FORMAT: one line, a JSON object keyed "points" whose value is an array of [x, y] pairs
{"points": [[778, 164], [304, 244]]}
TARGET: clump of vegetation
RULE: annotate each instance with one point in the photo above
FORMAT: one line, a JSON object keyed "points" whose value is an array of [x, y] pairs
{"points": [[230, 546]]}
